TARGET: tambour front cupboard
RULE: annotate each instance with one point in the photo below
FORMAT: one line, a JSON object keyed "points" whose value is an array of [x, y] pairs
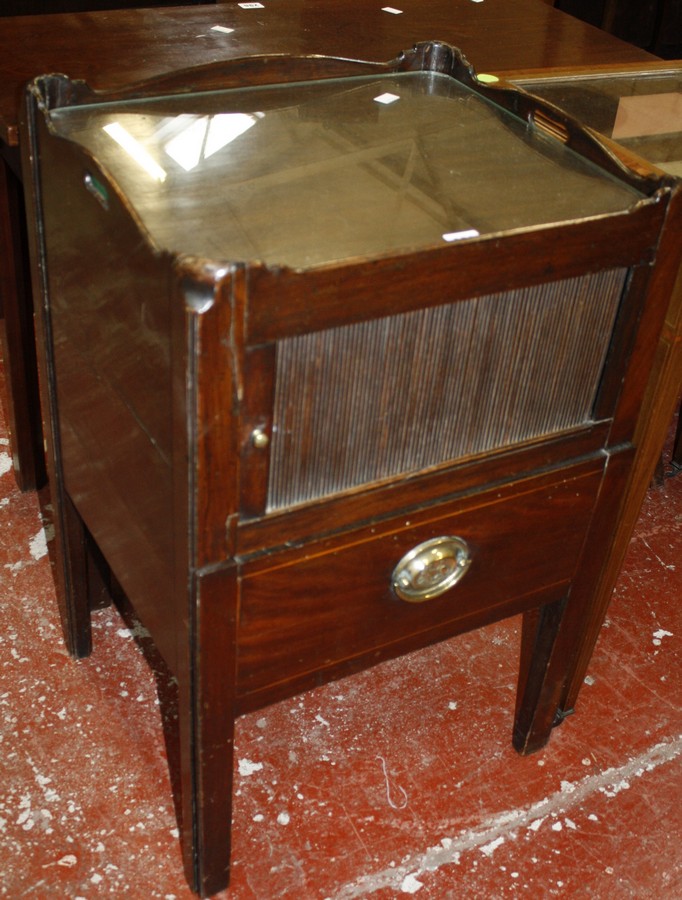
{"points": [[339, 359]]}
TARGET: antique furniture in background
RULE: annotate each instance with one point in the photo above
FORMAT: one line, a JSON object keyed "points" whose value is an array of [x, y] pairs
{"points": [[119, 47], [340, 359]]}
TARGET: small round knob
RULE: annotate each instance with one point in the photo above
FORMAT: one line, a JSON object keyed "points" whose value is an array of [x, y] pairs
{"points": [[260, 438], [431, 568]]}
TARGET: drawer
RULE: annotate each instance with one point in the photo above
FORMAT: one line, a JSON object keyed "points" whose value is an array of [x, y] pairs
{"points": [[318, 608]]}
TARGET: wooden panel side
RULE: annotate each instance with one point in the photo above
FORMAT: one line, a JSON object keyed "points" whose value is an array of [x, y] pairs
{"points": [[108, 312]]}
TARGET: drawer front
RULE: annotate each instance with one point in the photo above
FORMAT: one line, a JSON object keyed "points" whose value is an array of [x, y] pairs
{"points": [[316, 608]]}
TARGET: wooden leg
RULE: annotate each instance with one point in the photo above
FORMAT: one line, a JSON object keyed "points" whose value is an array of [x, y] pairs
{"points": [[676, 458], [594, 583], [541, 678], [206, 713], [72, 565], [19, 354], [102, 586], [659, 473], [558, 637]]}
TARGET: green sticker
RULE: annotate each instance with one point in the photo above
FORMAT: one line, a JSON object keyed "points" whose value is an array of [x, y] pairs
{"points": [[97, 189]]}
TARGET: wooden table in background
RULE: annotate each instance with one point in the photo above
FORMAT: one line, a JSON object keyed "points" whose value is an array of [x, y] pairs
{"points": [[119, 47]]}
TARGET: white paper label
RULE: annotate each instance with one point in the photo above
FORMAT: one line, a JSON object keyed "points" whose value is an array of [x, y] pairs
{"points": [[386, 98], [460, 235]]}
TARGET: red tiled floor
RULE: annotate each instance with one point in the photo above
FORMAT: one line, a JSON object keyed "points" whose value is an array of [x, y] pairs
{"points": [[382, 785]]}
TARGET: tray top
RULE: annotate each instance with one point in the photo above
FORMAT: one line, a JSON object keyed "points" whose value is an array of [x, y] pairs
{"points": [[307, 173]]}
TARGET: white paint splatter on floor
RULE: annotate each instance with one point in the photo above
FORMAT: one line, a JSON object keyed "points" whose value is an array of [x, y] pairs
{"points": [[492, 833], [5, 463], [410, 884], [38, 544], [659, 635], [246, 767]]}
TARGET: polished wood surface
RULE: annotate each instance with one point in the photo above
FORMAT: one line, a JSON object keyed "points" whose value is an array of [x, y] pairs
{"points": [[116, 48]]}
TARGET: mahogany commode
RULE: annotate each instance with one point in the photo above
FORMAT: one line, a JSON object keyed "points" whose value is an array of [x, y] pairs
{"points": [[339, 359]]}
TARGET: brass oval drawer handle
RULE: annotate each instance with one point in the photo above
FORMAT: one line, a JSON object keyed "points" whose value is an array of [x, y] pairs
{"points": [[431, 568]]}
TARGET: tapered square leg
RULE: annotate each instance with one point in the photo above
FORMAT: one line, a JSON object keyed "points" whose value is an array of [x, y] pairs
{"points": [[73, 578], [541, 678], [676, 457], [206, 712], [18, 338]]}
